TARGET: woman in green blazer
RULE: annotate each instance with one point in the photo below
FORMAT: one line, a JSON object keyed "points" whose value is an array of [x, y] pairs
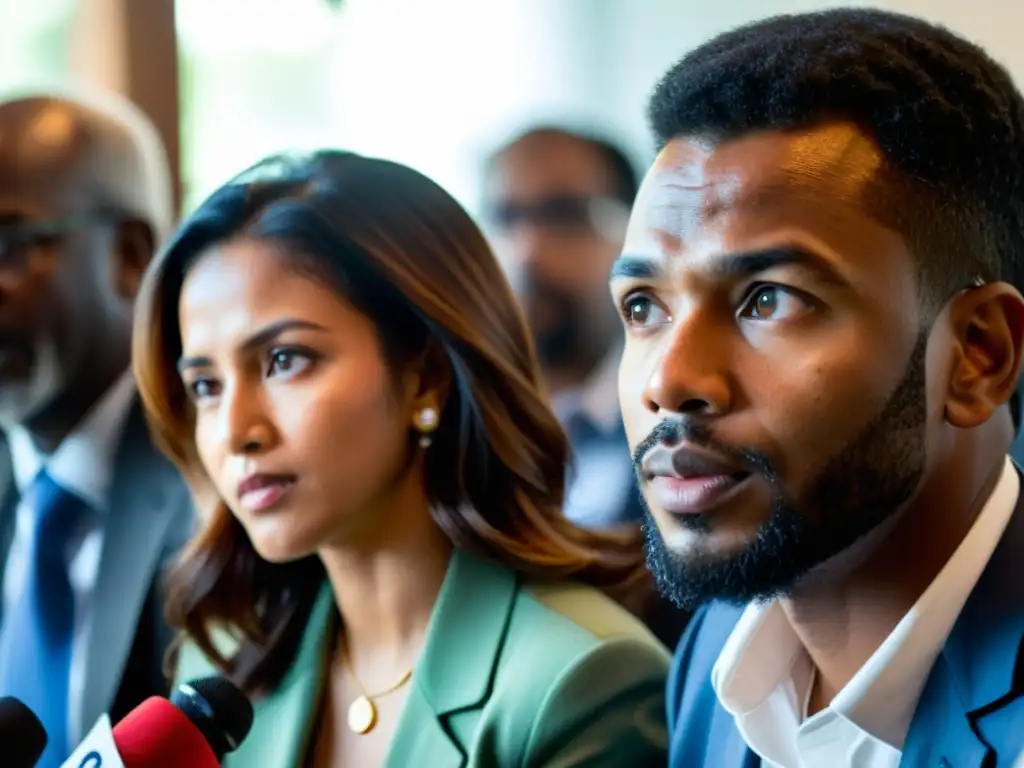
{"points": [[330, 353]]}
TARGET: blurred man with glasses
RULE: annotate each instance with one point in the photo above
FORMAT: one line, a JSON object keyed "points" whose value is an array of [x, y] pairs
{"points": [[557, 205], [89, 510]]}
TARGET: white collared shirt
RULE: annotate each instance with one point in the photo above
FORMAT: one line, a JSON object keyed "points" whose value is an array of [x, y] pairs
{"points": [[83, 463], [602, 473], [763, 676]]}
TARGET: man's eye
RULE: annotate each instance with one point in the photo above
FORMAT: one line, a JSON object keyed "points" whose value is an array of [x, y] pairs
{"points": [[640, 310], [774, 303]]}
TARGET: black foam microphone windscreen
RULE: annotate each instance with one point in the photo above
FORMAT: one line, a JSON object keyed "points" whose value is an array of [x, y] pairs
{"points": [[22, 737]]}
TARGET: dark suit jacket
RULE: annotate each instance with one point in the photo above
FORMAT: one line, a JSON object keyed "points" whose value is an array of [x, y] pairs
{"points": [[148, 521], [970, 714]]}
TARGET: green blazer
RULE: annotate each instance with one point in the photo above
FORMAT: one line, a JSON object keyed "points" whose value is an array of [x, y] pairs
{"points": [[511, 674]]}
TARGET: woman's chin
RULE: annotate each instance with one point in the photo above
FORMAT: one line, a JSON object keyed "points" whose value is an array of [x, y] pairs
{"points": [[280, 556], [279, 549]]}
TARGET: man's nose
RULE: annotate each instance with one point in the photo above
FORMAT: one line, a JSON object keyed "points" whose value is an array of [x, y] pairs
{"points": [[690, 375]]}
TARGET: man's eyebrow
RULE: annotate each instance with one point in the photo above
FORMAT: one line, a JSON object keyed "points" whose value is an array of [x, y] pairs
{"points": [[736, 265], [750, 263], [635, 267]]}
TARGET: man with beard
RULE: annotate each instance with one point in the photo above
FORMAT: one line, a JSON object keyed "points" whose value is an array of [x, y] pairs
{"points": [[557, 205], [824, 330], [89, 510]]}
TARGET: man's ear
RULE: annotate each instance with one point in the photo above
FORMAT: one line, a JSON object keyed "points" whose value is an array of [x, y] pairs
{"points": [[988, 332], [134, 245]]}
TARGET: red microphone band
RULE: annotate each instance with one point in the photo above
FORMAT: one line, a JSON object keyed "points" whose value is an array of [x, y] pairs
{"points": [[156, 734]]}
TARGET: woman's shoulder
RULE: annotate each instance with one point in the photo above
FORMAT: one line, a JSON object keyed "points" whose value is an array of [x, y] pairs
{"points": [[192, 662], [578, 668], [566, 632], [580, 616]]}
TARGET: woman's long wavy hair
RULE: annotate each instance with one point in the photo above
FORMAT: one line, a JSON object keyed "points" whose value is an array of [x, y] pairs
{"points": [[404, 253]]}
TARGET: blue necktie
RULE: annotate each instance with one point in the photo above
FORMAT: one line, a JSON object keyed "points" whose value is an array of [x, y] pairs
{"points": [[36, 654]]}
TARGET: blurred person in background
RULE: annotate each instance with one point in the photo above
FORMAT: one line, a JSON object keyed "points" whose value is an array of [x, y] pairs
{"points": [[557, 203], [89, 509], [822, 294], [331, 345]]}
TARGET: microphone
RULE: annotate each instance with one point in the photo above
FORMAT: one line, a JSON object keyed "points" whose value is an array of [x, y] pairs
{"points": [[204, 720], [22, 737], [219, 710]]}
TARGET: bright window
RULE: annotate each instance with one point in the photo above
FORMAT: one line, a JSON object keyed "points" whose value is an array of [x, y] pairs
{"points": [[429, 83], [34, 40]]}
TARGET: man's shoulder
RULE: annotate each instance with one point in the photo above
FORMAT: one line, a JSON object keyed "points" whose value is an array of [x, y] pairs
{"points": [[701, 644], [691, 699], [140, 465]]}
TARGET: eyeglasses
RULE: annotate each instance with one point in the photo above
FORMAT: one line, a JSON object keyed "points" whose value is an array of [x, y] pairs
{"points": [[19, 238], [566, 214]]}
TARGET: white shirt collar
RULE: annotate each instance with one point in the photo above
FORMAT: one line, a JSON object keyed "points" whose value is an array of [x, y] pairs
{"points": [[755, 673], [597, 399], [83, 462]]}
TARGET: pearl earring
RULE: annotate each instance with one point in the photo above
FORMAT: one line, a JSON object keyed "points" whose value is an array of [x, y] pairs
{"points": [[426, 422]]}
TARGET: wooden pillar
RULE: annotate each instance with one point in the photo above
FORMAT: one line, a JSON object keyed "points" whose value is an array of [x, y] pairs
{"points": [[130, 47]]}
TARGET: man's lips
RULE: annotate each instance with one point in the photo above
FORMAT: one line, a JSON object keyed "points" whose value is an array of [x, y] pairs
{"points": [[688, 480], [695, 495]]}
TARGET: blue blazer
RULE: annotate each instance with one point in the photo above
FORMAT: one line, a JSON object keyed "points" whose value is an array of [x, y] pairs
{"points": [[970, 714]]}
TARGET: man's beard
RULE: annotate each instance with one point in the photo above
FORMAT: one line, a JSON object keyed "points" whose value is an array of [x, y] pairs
{"points": [[21, 400], [561, 342], [570, 339], [858, 489]]}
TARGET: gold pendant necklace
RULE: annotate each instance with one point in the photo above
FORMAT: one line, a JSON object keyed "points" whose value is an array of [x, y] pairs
{"points": [[362, 714]]}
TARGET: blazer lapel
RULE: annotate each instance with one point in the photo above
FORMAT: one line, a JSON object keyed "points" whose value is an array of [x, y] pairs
{"points": [[421, 737], [454, 674], [8, 505], [980, 673], [145, 495]]}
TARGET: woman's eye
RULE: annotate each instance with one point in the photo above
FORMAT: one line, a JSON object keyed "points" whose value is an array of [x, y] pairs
{"points": [[203, 388], [775, 303], [287, 362], [640, 310]]}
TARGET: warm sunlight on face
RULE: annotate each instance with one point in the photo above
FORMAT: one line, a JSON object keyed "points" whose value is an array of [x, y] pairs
{"points": [[772, 361], [296, 420]]}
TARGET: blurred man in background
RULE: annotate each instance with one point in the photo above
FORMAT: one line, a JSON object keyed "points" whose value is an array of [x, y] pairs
{"points": [[557, 205], [89, 510]]}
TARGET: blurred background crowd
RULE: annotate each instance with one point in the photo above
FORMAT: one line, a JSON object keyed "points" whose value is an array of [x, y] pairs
{"points": [[435, 85]]}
